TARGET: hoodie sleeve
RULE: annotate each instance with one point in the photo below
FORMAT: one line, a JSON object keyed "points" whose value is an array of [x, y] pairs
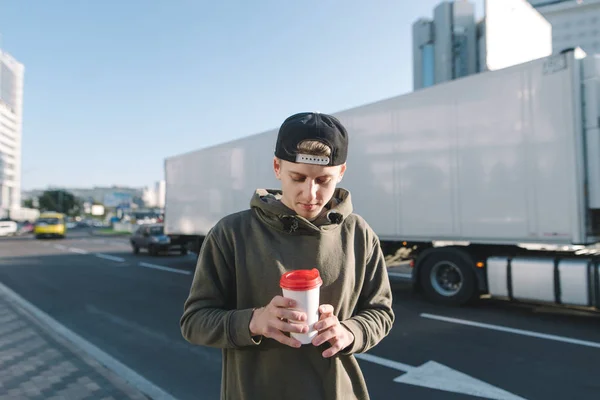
{"points": [[209, 317], [374, 315]]}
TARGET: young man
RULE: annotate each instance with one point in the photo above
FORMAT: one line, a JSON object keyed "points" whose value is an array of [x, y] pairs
{"points": [[235, 301]]}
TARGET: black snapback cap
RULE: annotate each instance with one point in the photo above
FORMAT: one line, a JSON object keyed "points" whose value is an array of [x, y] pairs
{"points": [[312, 126]]}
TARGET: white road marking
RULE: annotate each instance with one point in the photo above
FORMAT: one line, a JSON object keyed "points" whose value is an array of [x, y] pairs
{"points": [[403, 275], [120, 259], [138, 381], [437, 376], [513, 330], [160, 267], [78, 251], [108, 257], [385, 362]]}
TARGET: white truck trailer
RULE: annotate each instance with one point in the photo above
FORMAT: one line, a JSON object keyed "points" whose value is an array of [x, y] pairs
{"points": [[491, 181]]}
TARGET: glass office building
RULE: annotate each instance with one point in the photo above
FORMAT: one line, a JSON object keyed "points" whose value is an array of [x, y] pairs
{"points": [[575, 23], [445, 47]]}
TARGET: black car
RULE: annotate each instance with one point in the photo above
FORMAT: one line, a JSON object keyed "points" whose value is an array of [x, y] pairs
{"points": [[152, 237]]}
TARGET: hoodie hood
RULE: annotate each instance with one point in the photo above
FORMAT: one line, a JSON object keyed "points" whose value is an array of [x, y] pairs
{"points": [[269, 207]]}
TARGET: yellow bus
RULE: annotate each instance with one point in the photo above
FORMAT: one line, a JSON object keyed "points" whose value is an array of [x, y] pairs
{"points": [[50, 224]]}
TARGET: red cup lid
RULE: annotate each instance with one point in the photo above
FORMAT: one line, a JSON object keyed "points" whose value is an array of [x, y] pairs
{"points": [[302, 279]]}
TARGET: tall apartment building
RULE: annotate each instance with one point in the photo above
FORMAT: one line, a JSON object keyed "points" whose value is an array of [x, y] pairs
{"points": [[11, 111], [575, 23]]}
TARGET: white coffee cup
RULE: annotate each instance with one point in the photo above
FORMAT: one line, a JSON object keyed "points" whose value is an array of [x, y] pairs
{"points": [[303, 286]]}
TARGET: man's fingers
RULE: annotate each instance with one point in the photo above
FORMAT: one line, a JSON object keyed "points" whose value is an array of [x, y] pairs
{"points": [[289, 326], [324, 337], [326, 309], [280, 301], [325, 316], [283, 339], [291, 315], [297, 327], [333, 350], [326, 323]]}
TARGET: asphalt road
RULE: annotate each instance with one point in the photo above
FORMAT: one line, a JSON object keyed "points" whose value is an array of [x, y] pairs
{"points": [[129, 307]]}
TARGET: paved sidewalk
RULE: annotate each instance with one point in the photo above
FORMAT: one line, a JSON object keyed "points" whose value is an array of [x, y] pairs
{"points": [[37, 363]]}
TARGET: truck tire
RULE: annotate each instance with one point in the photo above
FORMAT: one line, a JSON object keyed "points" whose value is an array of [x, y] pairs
{"points": [[448, 277]]}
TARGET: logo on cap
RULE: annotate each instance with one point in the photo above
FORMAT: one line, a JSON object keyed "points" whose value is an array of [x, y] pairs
{"points": [[312, 126]]}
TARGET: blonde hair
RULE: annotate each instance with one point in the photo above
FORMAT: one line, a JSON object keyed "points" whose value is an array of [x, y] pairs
{"points": [[314, 148]]}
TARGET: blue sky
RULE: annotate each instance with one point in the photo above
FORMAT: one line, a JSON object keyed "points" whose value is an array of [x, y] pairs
{"points": [[114, 87]]}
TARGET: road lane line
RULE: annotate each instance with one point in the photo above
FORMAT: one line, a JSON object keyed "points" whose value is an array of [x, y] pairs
{"points": [[78, 251], [111, 258], [135, 379], [513, 330], [403, 275], [60, 247], [160, 267]]}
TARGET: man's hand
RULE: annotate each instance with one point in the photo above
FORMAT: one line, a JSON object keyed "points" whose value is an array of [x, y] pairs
{"points": [[330, 330], [277, 317]]}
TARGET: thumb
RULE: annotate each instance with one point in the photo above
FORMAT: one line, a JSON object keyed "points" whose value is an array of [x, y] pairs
{"points": [[326, 310]]}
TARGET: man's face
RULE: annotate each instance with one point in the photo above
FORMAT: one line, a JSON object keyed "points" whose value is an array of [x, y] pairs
{"points": [[307, 188]]}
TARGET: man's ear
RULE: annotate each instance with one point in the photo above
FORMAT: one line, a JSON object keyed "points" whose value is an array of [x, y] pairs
{"points": [[342, 172], [277, 167]]}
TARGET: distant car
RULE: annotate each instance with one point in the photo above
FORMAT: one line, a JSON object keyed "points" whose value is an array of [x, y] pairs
{"points": [[50, 224], [152, 237], [8, 228], [26, 227]]}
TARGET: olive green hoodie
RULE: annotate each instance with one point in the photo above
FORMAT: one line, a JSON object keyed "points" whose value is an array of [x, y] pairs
{"points": [[238, 269]]}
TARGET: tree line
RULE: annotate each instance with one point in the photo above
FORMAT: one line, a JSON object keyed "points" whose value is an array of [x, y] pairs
{"points": [[60, 201]]}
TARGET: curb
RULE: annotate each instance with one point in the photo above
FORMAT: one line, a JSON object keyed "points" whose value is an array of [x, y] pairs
{"points": [[54, 327]]}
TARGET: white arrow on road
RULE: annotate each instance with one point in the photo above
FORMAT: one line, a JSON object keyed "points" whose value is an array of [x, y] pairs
{"points": [[437, 376]]}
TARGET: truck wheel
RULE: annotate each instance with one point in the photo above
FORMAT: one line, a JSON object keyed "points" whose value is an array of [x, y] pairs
{"points": [[448, 278], [136, 249]]}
